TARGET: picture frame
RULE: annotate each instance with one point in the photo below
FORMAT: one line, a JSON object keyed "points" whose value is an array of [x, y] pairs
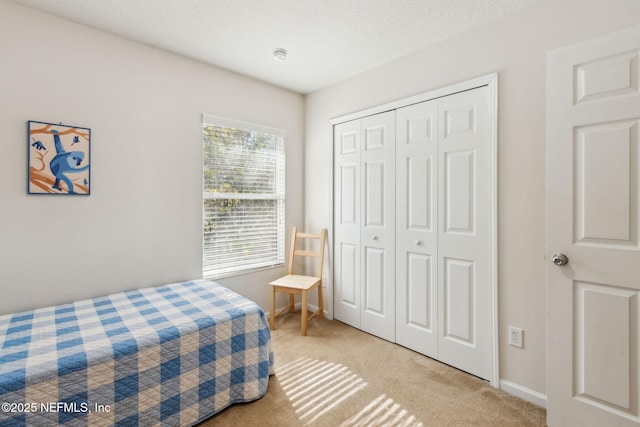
{"points": [[59, 160]]}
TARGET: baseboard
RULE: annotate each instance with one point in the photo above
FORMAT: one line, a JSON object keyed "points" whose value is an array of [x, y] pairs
{"points": [[524, 393]]}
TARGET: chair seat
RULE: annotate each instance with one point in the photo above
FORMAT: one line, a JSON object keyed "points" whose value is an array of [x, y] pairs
{"points": [[296, 281]]}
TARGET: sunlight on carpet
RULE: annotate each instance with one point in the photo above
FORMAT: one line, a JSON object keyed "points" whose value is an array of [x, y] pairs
{"points": [[314, 387], [382, 411]]}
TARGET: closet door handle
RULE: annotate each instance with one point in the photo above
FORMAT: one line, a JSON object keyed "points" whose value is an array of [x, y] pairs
{"points": [[374, 238], [418, 243]]}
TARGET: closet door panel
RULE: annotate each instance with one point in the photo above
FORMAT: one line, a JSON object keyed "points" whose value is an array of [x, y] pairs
{"points": [[459, 290], [374, 293], [347, 222], [464, 238], [459, 187], [348, 188], [378, 226], [374, 192], [418, 288], [416, 227], [348, 274]]}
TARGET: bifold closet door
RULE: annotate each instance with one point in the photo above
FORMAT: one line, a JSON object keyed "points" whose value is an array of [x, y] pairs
{"points": [[378, 224], [413, 225], [347, 222], [465, 256], [364, 224], [444, 230], [417, 227]]}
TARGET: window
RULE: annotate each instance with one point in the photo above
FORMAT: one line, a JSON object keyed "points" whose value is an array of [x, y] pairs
{"points": [[244, 201]]}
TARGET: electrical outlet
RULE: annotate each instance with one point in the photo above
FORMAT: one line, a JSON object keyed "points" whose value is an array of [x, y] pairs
{"points": [[516, 337]]}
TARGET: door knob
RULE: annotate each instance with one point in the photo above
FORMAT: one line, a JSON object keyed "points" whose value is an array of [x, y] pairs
{"points": [[560, 259]]}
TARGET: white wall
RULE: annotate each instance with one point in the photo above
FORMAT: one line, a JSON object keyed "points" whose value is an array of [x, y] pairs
{"points": [[515, 47], [141, 225]]}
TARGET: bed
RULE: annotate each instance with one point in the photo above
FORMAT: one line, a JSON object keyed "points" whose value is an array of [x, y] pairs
{"points": [[169, 355]]}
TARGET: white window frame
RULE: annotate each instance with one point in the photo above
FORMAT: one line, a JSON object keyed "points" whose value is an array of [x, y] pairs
{"points": [[210, 269]]}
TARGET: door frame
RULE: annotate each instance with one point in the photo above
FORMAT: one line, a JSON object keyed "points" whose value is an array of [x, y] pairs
{"points": [[491, 81]]}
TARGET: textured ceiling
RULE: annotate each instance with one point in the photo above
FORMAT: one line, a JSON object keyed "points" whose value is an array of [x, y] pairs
{"points": [[327, 40]]}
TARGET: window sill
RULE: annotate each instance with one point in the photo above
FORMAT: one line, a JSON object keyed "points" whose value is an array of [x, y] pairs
{"points": [[242, 272]]}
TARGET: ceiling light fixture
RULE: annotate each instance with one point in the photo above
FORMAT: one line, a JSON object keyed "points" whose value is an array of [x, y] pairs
{"points": [[280, 54]]}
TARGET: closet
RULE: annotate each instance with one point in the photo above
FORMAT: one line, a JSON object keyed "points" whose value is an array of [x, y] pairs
{"points": [[414, 225]]}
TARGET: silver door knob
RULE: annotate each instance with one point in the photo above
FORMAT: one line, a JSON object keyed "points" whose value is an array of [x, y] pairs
{"points": [[560, 259]]}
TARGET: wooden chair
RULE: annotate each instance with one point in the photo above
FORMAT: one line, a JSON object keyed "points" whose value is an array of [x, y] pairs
{"points": [[295, 284]]}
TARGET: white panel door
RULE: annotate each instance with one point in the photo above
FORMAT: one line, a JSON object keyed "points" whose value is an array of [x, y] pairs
{"points": [[416, 227], [378, 225], [347, 222], [593, 215], [465, 237]]}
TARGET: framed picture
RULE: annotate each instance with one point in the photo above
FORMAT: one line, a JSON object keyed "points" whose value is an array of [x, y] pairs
{"points": [[59, 159]]}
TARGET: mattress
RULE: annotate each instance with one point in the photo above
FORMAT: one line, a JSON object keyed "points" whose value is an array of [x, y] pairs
{"points": [[170, 355]]}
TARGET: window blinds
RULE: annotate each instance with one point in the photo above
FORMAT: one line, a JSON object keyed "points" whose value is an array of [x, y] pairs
{"points": [[244, 197]]}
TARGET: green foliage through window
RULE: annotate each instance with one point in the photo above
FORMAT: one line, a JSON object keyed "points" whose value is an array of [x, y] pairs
{"points": [[244, 199]]}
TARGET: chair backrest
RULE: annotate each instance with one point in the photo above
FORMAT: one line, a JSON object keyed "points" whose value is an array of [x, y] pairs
{"points": [[298, 237]]}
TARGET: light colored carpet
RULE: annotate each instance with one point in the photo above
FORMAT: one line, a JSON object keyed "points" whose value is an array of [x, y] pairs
{"points": [[340, 376]]}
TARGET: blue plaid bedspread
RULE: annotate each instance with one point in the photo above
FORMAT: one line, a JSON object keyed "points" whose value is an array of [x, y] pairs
{"points": [[171, 355]]}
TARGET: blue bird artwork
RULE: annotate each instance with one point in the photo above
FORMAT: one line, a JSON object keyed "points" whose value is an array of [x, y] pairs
{"points": [[54, 166], [64, 163], [38, 145]]}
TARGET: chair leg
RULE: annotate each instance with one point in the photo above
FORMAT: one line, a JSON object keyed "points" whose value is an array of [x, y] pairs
{"points": [[272, 309], [292, 304], [305, 299], [320, 302]]}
